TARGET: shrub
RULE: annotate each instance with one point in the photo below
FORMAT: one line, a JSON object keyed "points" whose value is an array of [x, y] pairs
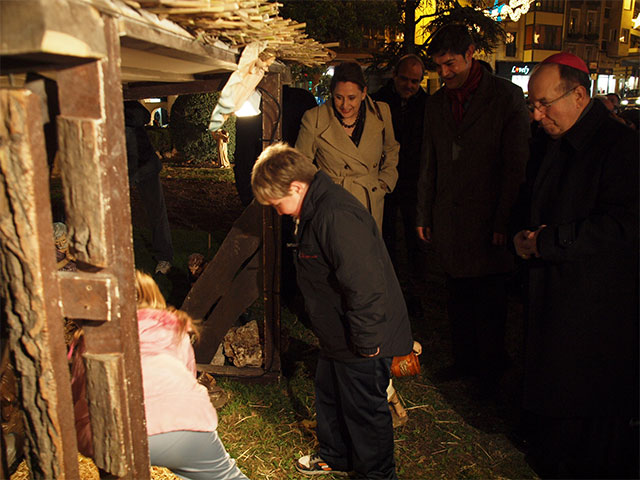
{"points": [[160, 139], [189, 121]]}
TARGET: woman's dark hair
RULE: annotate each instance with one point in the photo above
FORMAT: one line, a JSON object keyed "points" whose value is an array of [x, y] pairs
{"points": [[348, 72]]}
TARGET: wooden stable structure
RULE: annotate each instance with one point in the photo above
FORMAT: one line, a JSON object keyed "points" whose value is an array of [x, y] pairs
{"points": [[92, 48]]}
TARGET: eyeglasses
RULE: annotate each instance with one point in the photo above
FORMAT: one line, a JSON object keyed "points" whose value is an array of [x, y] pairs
{"points": [[544, 105]]}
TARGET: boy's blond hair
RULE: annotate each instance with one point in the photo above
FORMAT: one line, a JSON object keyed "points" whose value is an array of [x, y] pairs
{"points": [[148, 295], [276, 167]]}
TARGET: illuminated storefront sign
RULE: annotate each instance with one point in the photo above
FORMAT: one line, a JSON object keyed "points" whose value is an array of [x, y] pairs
{"points": [[513, 9], [520, 70]]}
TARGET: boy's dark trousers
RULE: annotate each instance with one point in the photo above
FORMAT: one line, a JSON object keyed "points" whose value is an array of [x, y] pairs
{"points": [[355, 429]]}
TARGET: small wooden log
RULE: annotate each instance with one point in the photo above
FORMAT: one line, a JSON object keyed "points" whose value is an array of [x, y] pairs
{"points": [[104, 384]]}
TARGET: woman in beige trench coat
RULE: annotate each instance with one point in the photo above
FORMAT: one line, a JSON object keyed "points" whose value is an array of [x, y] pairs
{"points": [[351, 138]]}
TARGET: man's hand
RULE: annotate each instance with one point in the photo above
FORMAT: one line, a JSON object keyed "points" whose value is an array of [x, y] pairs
{"points": [[424, 234], [526, 243]]}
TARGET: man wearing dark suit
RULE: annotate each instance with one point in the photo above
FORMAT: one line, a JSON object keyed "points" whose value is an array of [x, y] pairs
{"points": [[475, 149]]}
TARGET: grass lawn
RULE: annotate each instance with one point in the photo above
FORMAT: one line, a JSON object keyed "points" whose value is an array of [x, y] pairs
{"points": [[450, 433]]}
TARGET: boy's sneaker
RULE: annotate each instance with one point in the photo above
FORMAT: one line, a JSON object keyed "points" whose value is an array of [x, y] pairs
{"points": [[315, 465]]}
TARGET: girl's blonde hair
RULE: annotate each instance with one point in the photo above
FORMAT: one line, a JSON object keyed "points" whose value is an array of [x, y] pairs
{"points": [[148, 295]]}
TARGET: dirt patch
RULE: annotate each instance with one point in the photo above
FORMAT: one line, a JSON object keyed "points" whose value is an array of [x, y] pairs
{"points": [[201, 204], [195, 204]]}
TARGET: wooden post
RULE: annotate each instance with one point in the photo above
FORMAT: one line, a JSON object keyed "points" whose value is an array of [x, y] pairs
{"points": [[271, 231], [28, 280], [96, 191]]}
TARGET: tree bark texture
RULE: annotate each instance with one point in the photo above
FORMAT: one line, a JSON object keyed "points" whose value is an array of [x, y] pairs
{"points": [[27, 261]]}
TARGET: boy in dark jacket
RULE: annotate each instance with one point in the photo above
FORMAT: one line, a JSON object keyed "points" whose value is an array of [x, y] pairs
{"points": [[356, 309]]}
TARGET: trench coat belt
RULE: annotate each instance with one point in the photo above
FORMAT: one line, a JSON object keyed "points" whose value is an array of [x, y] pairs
{"points": [[368, 182]]}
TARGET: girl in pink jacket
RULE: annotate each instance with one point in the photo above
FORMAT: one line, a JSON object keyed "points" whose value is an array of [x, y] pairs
{"points": [[181, 422]]}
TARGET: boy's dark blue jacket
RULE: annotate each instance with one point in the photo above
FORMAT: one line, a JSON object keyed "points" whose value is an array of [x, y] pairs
{"points": [[348, 282]]}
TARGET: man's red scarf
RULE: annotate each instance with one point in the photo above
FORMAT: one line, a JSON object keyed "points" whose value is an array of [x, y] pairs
{"points": [[459, 96]]}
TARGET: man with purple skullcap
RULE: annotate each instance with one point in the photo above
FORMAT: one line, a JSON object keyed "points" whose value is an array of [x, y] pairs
{"points": [[579, 239], [568, 59]]}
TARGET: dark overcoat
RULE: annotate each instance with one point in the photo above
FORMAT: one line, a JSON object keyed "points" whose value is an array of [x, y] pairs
{"points": [[350, 288], [408, 126], [470, 175], [582, 336]]}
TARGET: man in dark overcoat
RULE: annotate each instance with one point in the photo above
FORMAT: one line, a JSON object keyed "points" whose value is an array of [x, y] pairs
{"points": [[580, 242], [406, 100], [473, 160]]}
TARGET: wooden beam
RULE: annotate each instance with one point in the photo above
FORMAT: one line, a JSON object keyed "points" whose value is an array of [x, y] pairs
{"points": [[105, 379], [29, 287], [137, 91], [244, 290], [80, 158], [88, 296], [271, 227], [99, 87], [55, 27], [134, 74], [241, 244], [143, 36]]}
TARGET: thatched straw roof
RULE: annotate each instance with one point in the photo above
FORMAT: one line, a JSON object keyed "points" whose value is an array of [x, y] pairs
{"points": [[240, 22]]}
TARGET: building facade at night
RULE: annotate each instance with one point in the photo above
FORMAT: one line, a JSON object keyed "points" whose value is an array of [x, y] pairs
{"points": [[604, 33]]}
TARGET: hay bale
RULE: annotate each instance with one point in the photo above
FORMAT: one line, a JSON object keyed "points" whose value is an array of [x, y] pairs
{"points": [[88, 471]]}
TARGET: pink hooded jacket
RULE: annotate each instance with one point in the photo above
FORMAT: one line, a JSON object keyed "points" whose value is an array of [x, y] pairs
{"points": [[173, 398]]}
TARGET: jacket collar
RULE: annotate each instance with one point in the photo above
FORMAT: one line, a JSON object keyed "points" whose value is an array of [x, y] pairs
{"points": [[336, 136], [477, 104], [593, 116], [316, 190]]}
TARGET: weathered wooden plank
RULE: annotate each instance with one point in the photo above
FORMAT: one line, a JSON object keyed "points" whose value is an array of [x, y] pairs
{"points": [[105, 380], [99, 85], [140, 37], [271, 228], [88, 296], [81, 168], [138, 91], [243, 291], [30, 289], [134, 74], [241, 243], [55, 27]]}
